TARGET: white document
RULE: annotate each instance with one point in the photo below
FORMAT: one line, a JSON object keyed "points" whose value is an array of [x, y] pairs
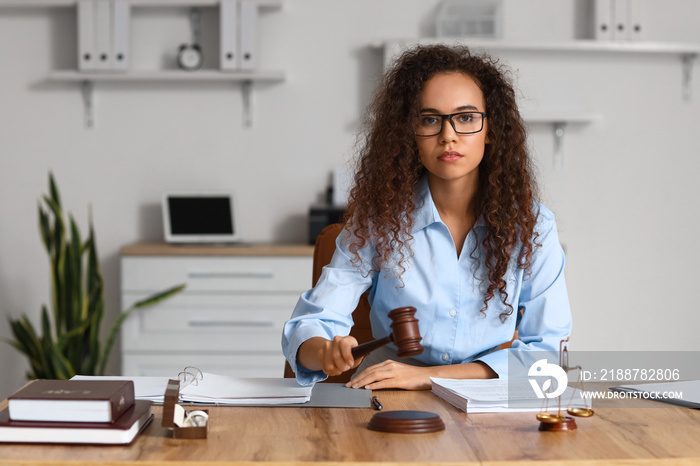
{"points": [[120, 34], [215, 389], [228, 34], [223, 390], [500, 395], [145, 388], [249, 22], [86, 35]]}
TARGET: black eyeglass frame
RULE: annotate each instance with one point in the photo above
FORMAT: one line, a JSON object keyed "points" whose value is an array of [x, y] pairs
{"points": [[452, 123]]}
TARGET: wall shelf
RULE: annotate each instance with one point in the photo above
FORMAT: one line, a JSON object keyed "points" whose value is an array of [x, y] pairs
{"points": [[559, 122], [273, 4], [87, 79], [687, 52], [583, 45], [168, 75]]}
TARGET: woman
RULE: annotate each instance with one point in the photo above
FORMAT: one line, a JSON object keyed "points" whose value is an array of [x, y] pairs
{"points": [[443, 218]]}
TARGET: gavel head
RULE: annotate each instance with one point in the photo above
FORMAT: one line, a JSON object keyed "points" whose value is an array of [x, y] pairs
{"points": [[405, 333]]}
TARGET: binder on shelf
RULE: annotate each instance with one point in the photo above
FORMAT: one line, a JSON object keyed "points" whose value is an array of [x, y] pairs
{"points": [[120, 34], [637, 23], [249, 21], [86, 35], [620, 15], [603, 19], [228, 25], [103, 34]]}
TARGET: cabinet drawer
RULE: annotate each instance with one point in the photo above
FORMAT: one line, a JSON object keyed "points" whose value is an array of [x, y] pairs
{"points": [[209, 323], [169, 365], [228, 274]]}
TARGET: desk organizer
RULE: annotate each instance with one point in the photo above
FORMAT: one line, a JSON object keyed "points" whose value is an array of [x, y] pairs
{"points": [[176, 418]]}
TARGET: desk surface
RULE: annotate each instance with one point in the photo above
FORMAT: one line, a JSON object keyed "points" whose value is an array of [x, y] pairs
{"points": [[650, 436]]}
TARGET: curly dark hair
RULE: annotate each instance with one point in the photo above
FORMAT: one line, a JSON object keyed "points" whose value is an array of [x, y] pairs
{"points": [[382, 201]]}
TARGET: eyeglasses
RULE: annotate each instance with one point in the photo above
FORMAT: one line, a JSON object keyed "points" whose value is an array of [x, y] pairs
{"points": [[431, 124]]}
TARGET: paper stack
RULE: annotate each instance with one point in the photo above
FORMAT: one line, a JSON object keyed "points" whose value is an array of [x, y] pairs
{"points": [[499, 395]]}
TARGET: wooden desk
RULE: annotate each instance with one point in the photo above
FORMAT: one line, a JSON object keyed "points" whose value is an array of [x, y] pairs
{"points": [[666, 435]]}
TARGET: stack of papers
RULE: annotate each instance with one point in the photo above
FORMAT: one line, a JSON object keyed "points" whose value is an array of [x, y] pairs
{"points": [[499, 395], [215, 389]]}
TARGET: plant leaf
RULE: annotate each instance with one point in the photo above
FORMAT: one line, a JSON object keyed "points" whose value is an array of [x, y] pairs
{"points": [[158, 297], [45, 228], [60, 364], [54, 190], [26, 337]]}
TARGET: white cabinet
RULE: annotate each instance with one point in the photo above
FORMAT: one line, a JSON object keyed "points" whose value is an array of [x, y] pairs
{"points": [[229, 318]]}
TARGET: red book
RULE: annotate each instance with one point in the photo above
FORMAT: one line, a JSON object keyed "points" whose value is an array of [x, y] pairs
{"points": [[72, 400], [122, 431]]}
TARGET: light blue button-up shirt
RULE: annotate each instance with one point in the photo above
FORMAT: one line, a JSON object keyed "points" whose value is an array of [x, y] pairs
{"points": [[448, 293]]}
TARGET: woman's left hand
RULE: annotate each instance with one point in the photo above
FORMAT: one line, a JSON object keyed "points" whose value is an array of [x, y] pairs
{"points": [[392, 374]]}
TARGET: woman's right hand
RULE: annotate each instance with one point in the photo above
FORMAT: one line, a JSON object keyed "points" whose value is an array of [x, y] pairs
{"points": [[333, 357]]}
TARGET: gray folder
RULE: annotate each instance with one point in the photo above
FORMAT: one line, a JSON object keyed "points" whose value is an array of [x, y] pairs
{"points": [[335, 395]]}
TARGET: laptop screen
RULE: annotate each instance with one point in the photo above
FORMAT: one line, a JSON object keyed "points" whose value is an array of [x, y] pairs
{"points": [[193, 218]]}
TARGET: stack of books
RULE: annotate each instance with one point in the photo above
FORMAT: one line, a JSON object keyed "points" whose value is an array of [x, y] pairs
{"points": [[74, 412]]}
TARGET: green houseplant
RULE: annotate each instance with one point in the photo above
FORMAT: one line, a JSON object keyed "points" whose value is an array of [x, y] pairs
{"points": [[69, 342]]}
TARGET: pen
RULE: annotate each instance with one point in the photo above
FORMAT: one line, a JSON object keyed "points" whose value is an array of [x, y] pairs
{"points": [[376, 404]]}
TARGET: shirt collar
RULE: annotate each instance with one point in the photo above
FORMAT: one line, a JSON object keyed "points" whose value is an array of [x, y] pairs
{"points": [[426, 213]]}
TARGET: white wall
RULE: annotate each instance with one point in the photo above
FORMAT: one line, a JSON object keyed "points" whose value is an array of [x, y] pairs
{"points": [[625, 200]]}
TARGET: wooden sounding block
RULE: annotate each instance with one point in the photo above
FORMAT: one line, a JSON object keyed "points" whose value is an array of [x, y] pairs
{"points": [[406, 422], [185, 424], [404, 334]]}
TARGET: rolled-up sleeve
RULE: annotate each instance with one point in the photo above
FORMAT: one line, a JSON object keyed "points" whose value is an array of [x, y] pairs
{"points": [[546, 319], [326, 310]]}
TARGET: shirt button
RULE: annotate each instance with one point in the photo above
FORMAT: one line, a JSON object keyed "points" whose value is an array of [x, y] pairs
{"points": [[453, 313], [445, 357]]}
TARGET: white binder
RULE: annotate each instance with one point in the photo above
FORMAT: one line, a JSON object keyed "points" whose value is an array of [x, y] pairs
{"points": [[86, 35], [637, 21], [603, 19], [120, 34], [103, 34], [620, 15], [249, 21], [228, 33]]}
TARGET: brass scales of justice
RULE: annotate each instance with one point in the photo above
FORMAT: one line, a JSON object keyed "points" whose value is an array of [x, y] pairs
{"points": [[551, 422]]}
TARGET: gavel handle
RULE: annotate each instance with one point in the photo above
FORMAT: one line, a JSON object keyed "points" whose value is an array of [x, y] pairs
{"points": [[370, 346]]}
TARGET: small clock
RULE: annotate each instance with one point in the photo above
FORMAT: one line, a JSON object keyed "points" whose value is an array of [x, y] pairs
{"points": [[189, 57]]}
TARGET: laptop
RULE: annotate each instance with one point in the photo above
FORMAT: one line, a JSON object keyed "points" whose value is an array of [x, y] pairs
{"points": [[199, 217]]}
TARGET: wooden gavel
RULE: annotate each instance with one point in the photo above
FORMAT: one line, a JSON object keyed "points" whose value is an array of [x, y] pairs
{"points": [[404, 334]]}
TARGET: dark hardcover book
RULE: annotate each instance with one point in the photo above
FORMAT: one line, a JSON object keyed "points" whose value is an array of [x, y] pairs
{"points": [[122, 431], [72, 400]]}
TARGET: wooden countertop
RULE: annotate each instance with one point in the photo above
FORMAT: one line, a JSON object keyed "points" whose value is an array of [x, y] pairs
{"points": [[242, 249], [652, 435]]}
